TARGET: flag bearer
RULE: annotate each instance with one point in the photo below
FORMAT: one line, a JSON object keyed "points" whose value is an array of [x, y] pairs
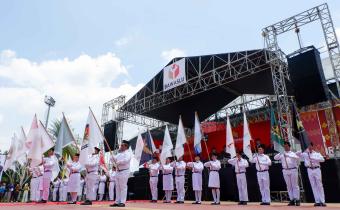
{"points": [[197, 168], [56, 186], [240, 165], [153, 173], [262, 162], [74, 181], [48, 163], [35, 183], [290, 161], [168, 180], [101, 187], [122, 161], [81, 188], [312, 161], [91, 177], [214, 177], [180, 167], [112, 179]]}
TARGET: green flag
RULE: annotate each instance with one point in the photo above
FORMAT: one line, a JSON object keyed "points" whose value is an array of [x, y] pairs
{"points": [[275, 132]]}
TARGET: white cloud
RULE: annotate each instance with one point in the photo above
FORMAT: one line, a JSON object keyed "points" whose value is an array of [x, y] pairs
{"points": [[123, 41], [75, 85], [168, 55]]}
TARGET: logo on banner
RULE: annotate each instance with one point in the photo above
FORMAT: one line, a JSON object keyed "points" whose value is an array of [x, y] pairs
{"points": [[174, 75]]}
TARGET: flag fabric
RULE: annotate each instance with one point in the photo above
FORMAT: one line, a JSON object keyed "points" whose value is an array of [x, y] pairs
{"points": [[139, 148], [93, 137], [102, 162], [246, 138], [56, 168], [148, 149], [230, 145], [21, 156], [180, 140], [298, 130], [167, 146], [11, 156], [134, 164], [41, 144], [197, 135], [32, 133], [64, 138], [275, 132]]}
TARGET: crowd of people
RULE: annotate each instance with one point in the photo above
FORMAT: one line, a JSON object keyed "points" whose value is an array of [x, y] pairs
{"points": [[98, 185]]}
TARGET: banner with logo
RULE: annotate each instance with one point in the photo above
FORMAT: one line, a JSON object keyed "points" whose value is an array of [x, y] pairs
{"points": [[174, 75], [2, 164]]}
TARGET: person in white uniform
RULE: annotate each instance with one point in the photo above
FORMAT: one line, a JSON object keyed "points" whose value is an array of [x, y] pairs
{"points": [[34, 185], [168, 180], [312, 160], [101, 186], [154, 168], [65, 189], [74, 168], [240, 166], [122, 161], [179, 167], [48, 163], [262, 162], [81, 188], [290, 164], [196, 168], [91, 177], [112, 179], [214, 177], [56, 186]]}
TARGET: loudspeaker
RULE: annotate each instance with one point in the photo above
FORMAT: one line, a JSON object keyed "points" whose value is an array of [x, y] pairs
{"points": [[307, 77], [110, 133]]}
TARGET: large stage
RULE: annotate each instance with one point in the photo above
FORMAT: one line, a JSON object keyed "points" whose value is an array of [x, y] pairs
{"points": [[145, 205]]}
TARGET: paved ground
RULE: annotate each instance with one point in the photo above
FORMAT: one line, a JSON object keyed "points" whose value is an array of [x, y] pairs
{"points": [[144, 205]]}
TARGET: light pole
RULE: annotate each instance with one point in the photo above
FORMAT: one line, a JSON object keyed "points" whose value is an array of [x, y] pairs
{"points": [[50, 102]]}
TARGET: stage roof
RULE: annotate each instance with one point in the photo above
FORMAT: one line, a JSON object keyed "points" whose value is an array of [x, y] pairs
{"points": [[213, 81]]}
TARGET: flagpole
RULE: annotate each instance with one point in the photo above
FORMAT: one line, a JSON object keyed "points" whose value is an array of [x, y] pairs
{"points": [[107, 144], [189, 152], [206, 147]]}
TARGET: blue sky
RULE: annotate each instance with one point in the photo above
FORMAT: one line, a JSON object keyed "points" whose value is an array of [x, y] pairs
{"points": [[130, 40]]}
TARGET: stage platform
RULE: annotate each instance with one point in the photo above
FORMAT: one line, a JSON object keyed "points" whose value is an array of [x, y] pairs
{"points": [[144, 205]]}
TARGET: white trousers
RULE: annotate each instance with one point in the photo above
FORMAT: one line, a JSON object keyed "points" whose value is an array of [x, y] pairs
{"points": [[264, 184], [54, 195], [315, 180], [111, 191], [242, 186], [91, 191], [121, 186], [292, 181], [35, 192], [180, 188], [46, 185], [153, 187]]}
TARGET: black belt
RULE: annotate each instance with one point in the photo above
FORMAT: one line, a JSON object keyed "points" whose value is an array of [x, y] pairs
{"points": [[101, 182], [153, 176], [314, 167], [37, 176], [167, 174], [289, 168], [123, 170], [48, 171], [196, 172], [179, 175], [240, 172], [214, 170], [90, 171], [263, 170], [75, 173]]}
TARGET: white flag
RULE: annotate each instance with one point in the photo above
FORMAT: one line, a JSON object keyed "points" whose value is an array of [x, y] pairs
{"points": [[246, 138], [139, 148], [32, 133], [180, 140], [167, 146], [197, 135], [22, 150], [134, 163], [33, 143], [230, 140], [92, 138], [65, 137], [11, 156], [40, 145], [153, 146]]}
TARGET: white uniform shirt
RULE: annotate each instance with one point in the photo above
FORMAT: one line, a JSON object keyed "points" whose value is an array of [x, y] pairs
{"points": [[112, 176], [74, 167], [311, 159], [239, 164], [122, 160], [92, 164], [48, 163], [179, 168], [262, 162], [197, 167], [213, 165], [154, 169], [289, 160]]}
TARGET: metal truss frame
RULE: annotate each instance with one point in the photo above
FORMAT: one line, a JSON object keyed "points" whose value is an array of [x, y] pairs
{"points": [[217, 71], [279, 66]]}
